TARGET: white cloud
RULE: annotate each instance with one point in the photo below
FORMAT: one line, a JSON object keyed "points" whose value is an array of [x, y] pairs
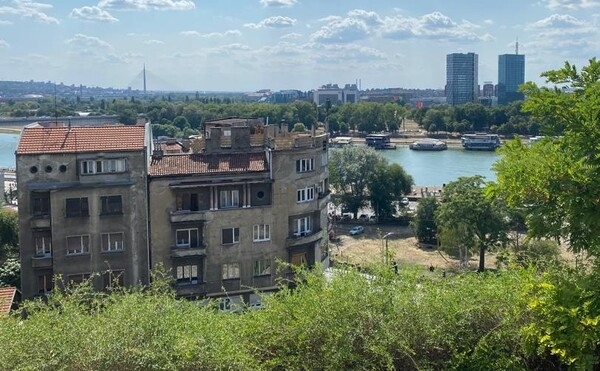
{"points": [[92, 13], [370, 18], [273, 22], [87, 42], [153, 42], [434, 25], [278, 3], [488, 21], [342, 31], [291, 36], [29, 9], [572, 4], [212, 34], [558, 21], [147, 4], [5, 23], [3, 44]]}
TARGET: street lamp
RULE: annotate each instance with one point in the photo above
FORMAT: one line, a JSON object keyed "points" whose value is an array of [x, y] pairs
{"points": [[385, 253]]}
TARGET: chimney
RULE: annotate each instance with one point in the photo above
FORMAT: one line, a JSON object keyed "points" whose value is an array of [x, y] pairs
{"points": [[240, 138], [213, 142]]}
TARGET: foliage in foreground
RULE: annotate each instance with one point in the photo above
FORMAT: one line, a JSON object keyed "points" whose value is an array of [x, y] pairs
{"points": [[385, 321]]}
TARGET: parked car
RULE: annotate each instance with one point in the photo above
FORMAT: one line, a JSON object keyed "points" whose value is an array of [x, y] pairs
{"points": [[363, 217], [404, 201], [357, 230]]}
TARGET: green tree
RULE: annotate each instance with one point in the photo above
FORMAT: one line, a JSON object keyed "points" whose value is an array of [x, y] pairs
{"points": [[350, 170], [388, 182], [424, 223], [466, 211], [555, 181], [10, 273]]}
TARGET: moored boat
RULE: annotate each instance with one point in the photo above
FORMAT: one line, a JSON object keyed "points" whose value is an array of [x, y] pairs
{"points": [[428, 145], [481, 142]]}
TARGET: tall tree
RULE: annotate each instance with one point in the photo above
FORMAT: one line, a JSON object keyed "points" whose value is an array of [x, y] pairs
{"points": [[388, 182], [466, 211], [350, 170], [424, 223], [556, 181]]}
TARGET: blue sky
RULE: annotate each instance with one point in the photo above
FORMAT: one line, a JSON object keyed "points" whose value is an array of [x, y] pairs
{"points": [[246, 45]]}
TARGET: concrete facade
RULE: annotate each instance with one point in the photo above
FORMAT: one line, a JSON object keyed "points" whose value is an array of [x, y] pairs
{"points": [[253, 198], [81, 212], [462, 84]]}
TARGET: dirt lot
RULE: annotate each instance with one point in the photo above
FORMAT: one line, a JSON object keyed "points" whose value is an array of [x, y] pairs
{"points": [[403, 247]]}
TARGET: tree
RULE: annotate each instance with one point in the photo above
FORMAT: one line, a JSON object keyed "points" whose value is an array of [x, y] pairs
{"points": [[388, 182], [350, 170], [466, 212], [556, 180], [424, 223]]}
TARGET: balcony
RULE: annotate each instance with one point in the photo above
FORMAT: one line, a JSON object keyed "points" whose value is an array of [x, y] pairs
{"points": [[182, 252], [182, 216], [302, 238], [192, 289], [39, 223], [44, 261]]}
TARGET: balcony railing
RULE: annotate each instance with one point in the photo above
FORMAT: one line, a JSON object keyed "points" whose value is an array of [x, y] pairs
{"points": [[42, 261], [304, 237], [184, 251], [182, 216]]}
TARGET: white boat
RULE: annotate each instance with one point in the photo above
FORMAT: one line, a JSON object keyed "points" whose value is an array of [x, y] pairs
{"points": [[481, 142], [428, 144]]}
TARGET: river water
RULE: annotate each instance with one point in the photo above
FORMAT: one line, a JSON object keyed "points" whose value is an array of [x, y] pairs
{"points": [[435, 168], [426, 168]]}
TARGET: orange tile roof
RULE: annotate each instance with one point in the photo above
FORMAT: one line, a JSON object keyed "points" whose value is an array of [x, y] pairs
{"points": [[7, 295], [107, 138], [198, 163]]}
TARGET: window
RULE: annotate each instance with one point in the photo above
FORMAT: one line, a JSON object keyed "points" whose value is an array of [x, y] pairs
{"points": [[230, 235], [78, 245], [306, 194], [187, 201], [45, 283], [111, 205], [261, 232], [262, 267], [41, 204], [112, 242], [299, 259], [302, 226], [77, 207], [231, 271], [186, 238], [230, 198], [305, 164], [324, 159], [113, 279], [187, 274], [43, 246], [102, 166]]}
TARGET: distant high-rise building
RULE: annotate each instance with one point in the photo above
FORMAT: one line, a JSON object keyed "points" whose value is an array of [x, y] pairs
{"points": [[461, 78], [511, 74], [488, 89]]}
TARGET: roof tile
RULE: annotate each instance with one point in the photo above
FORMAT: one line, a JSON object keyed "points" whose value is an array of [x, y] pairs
{"points": [[108, 138], [7, 296], [189, 164]]}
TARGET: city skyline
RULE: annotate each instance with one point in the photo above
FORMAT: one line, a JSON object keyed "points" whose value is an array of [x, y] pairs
{"points": [[246, 45]]}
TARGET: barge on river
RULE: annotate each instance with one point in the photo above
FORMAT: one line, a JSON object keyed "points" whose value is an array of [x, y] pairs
{"points": [[379, 141], [428, 144], [480, 142]]}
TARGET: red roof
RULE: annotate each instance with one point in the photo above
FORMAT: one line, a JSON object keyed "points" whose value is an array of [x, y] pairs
{"points": [[187, 164], [7, 296], [108, 138]]}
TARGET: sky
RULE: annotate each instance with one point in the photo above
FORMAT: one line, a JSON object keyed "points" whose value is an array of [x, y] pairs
{"points": [[247, 45]]}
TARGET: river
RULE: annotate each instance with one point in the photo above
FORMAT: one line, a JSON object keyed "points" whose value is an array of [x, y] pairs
{"points": [[426, 168], [435, 168]]}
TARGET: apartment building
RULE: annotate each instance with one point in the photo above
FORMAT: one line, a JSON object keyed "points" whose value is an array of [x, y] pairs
{"points": [[82, 195], [226, 208]]}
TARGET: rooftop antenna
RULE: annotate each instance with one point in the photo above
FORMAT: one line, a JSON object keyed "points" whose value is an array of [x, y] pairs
{"points": [[517, 46]]}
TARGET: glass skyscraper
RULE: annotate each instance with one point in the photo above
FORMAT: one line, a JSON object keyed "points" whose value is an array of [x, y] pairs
{"points": [[461, 78], [511, 74]]}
